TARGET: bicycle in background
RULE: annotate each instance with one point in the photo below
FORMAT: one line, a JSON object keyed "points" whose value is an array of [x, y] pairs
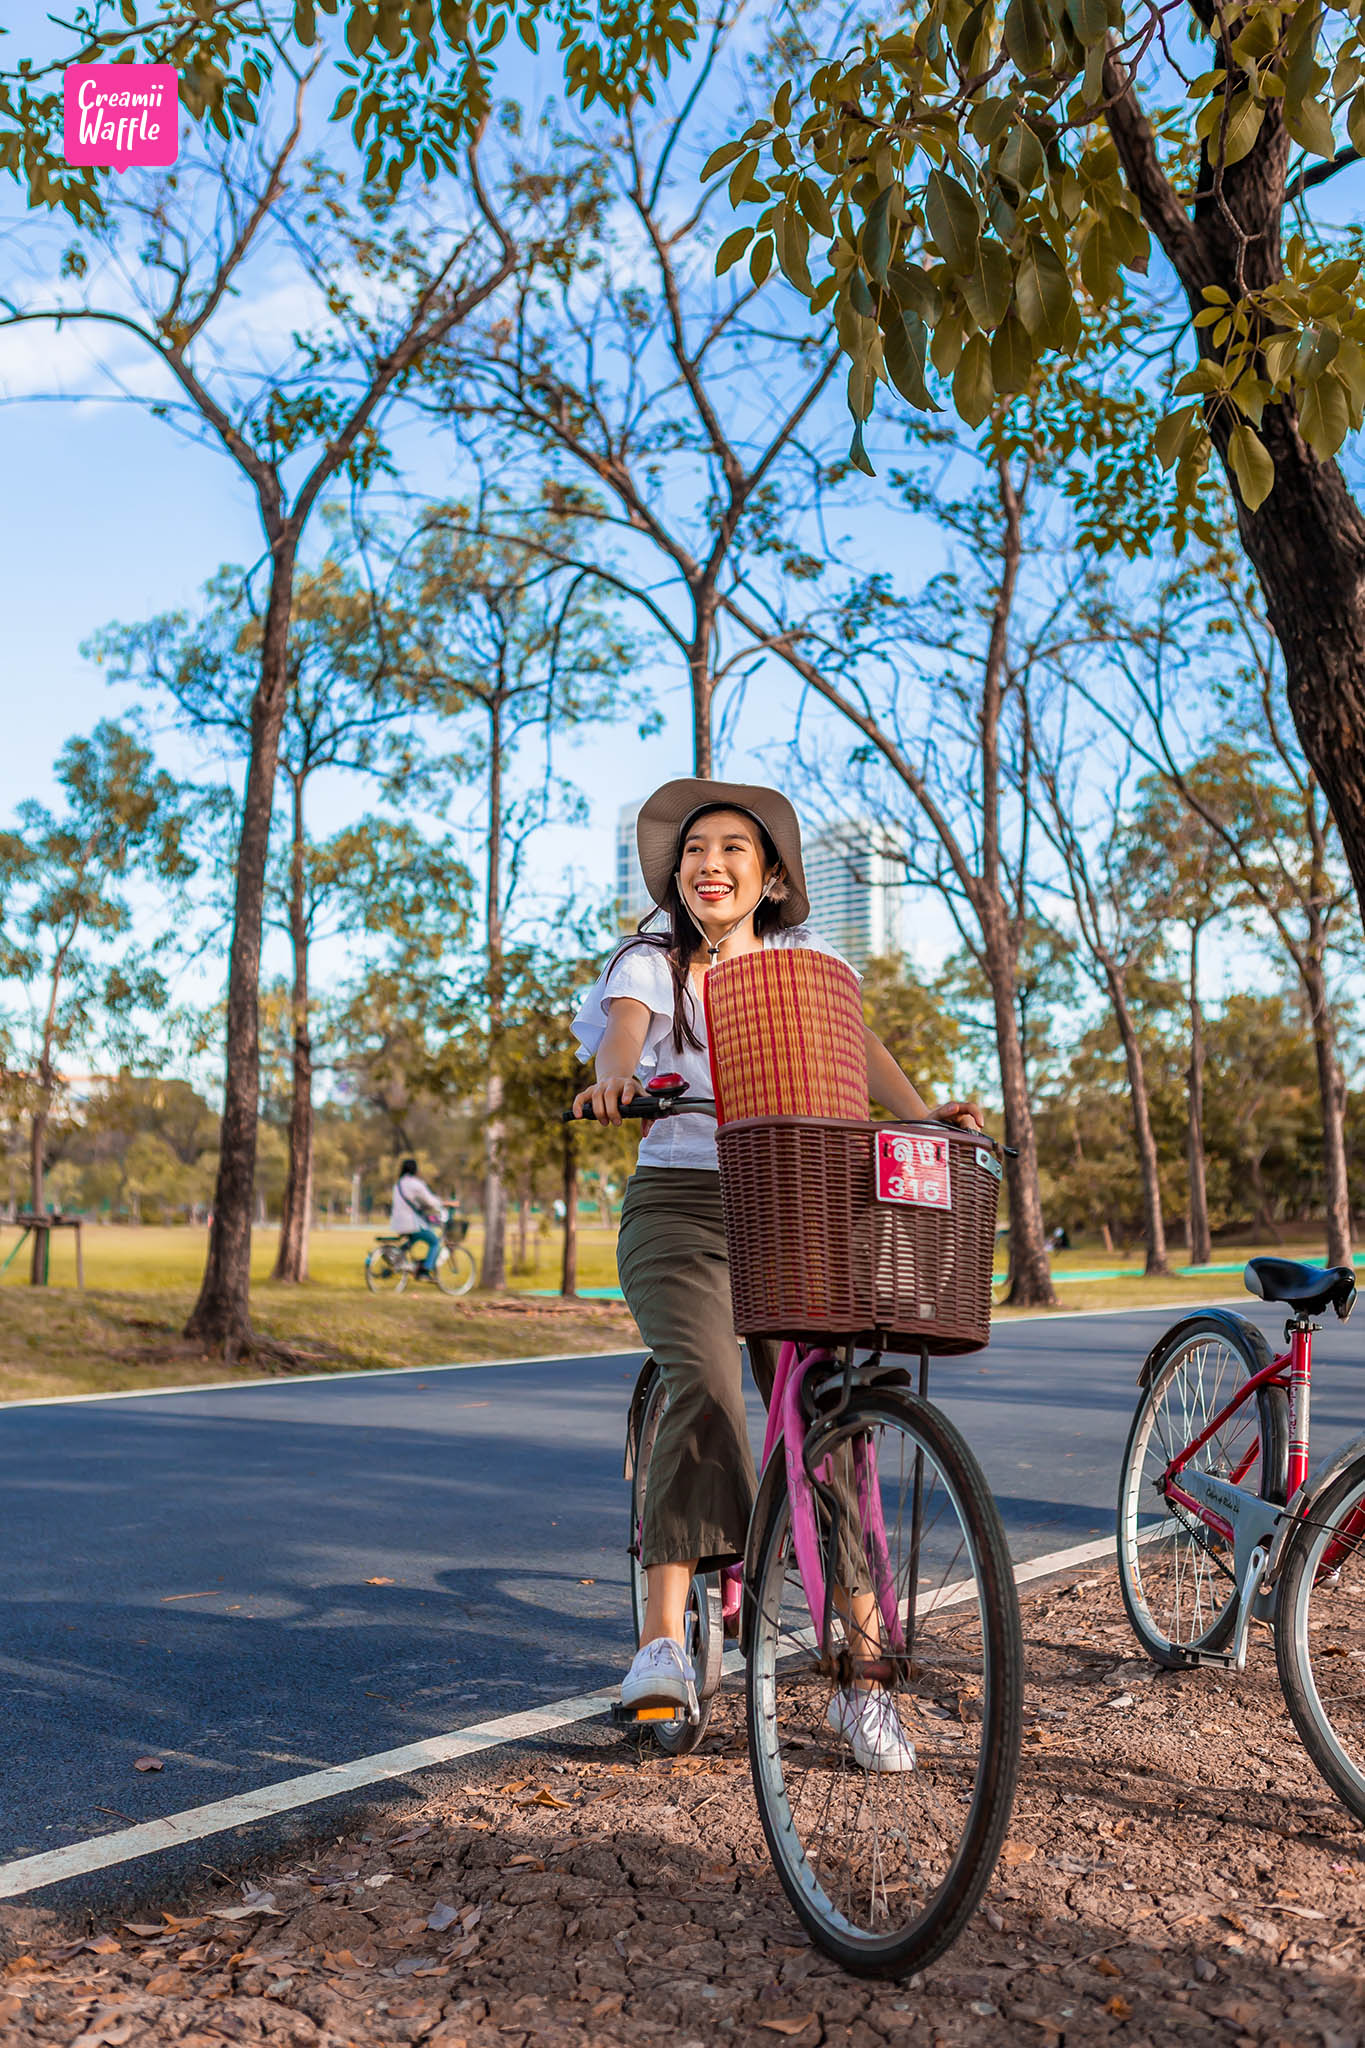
{"points": [[1220, 1521], [389, 1263]]}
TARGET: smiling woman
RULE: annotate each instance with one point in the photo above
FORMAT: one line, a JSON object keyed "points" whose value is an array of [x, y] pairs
{"points": [[723, 863]]}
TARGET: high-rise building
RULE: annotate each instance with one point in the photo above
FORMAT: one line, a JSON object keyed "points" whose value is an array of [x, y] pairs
{"points": [[632, 898], [854, 892]]}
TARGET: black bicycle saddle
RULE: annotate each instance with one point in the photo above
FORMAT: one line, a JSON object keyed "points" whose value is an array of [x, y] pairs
{"points": [[1306, 1288]]}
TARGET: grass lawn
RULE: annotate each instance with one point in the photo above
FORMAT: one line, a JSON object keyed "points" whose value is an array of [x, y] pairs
{"points": [[124, 1331]]}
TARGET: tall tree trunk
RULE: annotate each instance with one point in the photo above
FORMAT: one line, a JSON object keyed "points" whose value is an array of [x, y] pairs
{"points": [[37, 1141], [222, 1315], [494, 1271], [1201, 1239], [291, 1260], [1153, 1223], [699, 656], [1332, 1096], [568, 1270], [1030, 1273], [523, 1226]]}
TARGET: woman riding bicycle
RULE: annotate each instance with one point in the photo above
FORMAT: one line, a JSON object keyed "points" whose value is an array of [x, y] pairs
{"points": [[722, 862]]}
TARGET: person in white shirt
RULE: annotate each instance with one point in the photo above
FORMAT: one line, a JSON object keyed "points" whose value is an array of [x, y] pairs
{"points": [[419, 1212], [723, 863]]}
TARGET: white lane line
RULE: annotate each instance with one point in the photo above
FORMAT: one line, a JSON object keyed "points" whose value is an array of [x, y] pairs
{"points": [[31, 1873], [80, 1859], [309, 1379]]}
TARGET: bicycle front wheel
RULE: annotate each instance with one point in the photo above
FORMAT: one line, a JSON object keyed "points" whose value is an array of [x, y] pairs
{"points": [[382, 1274], [885, 1867], [1175, 1573], [1320, 1634], [454, 1270], [703, 1624]]}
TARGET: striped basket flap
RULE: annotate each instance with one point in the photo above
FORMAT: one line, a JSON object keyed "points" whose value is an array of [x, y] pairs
{"points": [[785, 1030]]}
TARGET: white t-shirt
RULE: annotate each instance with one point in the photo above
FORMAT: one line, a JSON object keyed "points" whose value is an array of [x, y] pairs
{"points": [[643, 973], [411, 1196]]}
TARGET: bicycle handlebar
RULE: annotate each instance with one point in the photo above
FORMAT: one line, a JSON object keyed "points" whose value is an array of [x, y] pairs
{"points": [[652, 1106]]}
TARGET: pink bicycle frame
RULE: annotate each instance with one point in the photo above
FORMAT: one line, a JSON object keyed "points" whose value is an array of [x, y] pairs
{"points": [[787, 1426]]}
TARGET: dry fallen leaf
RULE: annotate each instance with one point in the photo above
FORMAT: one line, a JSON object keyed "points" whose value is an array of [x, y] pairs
{"points": [[104, 1945], [1106, 1968], [145, 1928], [463, 1948], [542, 1798], [441, 1917], [248, 1912], [1016, 1853], [1118, 2007], [24, 1966], [526, 1863], [587, 1582], [379, 1582], [165, 1984], [789, 2026], [149, 1763], [516, 1785]]}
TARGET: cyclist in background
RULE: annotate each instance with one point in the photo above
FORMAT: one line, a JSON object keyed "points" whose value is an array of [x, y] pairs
{"points": [[419, 1212]]}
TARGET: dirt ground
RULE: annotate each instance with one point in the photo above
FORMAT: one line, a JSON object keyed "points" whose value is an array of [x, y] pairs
{"points": [[1175, 1873]]}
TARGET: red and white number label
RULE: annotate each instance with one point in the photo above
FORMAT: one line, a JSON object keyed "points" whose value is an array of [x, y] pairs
{"points": [[913, 1169]]}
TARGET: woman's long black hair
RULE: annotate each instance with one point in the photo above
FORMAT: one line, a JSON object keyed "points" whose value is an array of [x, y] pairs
{"points": [[682, 942]]}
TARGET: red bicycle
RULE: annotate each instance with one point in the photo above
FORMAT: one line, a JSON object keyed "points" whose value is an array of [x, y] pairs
{"points": [[1220, 1520]]}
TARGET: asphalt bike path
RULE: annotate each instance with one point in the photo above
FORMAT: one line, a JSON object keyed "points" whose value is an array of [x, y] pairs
{"points": [[253, 1583]]}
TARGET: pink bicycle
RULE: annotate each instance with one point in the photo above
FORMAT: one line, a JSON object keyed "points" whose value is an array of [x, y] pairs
{"points": [[865, 1485], [1220, 1520]]}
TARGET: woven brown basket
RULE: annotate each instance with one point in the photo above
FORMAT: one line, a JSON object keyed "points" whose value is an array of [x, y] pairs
{"points": [[814, 1254]]}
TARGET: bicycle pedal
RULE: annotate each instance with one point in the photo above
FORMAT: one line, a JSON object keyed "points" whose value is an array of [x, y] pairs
{"points": [[631, 1717], [1221, 1660]]}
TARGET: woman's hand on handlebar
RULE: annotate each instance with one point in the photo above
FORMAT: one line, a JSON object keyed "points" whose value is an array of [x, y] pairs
{"points": [[605, 1098], [963, 1116]]}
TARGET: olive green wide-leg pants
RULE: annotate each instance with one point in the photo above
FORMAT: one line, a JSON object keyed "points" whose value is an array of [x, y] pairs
{"points": [[675, 1275]]}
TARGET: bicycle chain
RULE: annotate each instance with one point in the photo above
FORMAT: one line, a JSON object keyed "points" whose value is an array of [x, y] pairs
{"points": [[1200, 1534]]}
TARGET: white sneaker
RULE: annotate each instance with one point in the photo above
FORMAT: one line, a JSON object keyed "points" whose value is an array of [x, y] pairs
{"points": [[868, 1718], [661, 1675]]}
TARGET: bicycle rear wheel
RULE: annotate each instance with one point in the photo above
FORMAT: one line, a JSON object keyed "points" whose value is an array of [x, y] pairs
{"points": [[1175, 1573], [883, 1869], [382, 1274], [703, 1623], [1320, 1634]]}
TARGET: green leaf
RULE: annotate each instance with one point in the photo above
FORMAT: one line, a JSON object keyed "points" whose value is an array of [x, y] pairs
{"points": [[1173, 433], [1011, 357], [903, 343], [989, 285], [359, 29], [305, 23], [1022, 160], [916, 291], [719, 158], [526, 29], [1310, 125], [1099, 261], [1042, 291], [857, 453], [1250, 463], [782, 104], [859, 297], [742, 176], [761, 259], [815, 207], [793, 241], [1244, 125], [1026, 36], [972, 386], [1324, 415], [731, 249], [953, 220], [876, 237], [1355, 122]]}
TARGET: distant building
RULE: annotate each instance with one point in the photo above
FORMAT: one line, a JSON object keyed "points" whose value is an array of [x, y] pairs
{"points": [[633, 900], [855, 892]]}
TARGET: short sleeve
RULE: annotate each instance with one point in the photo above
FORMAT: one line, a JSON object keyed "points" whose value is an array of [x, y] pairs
{"points": [[642, 973], [805, 938]]}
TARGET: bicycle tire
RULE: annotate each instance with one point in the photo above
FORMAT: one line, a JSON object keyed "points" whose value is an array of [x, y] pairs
{"points": [[702, 1620], [974, 1835], [454, 1271], [1178, 1588], [1334, 1735], [381, 1277]]}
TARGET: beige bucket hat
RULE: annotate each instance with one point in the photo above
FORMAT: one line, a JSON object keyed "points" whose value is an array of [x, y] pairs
{"points": [[662, 818]]}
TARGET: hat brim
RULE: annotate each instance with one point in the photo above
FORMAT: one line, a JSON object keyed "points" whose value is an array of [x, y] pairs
{"points": [[664, 814]]}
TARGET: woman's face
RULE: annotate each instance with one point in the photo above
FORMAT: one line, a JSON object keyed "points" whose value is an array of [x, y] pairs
{"points": [[720, 869]]}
